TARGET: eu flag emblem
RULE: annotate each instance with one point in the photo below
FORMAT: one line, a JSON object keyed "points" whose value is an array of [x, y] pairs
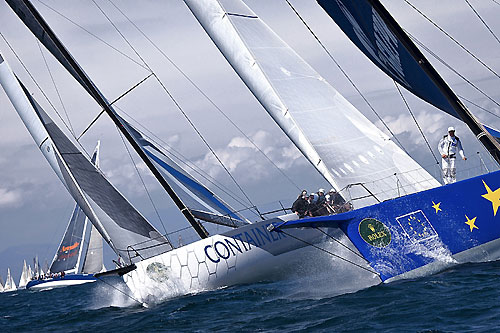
{"points": [[416, 226]]}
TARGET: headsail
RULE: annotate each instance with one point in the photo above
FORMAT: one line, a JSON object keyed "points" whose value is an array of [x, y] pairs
{"points": [[128, 233], [375, 32], [203, 204], [25, 277], [10, 285], [33, 20], [1, 284], [67, 257], [93, 262], [343, 145]]}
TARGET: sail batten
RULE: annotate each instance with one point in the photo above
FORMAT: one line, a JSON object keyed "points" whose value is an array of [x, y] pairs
{"points": [[336, 138]]}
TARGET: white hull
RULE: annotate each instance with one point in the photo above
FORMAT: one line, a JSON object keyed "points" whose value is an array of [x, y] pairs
{"points": [[216, 262], [59, 284]]}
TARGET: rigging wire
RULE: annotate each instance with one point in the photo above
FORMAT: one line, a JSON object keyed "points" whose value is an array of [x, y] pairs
{"points": [[144, 185], [346, 75], [121, 291], [453, 39], [478, 106], [330, 253], [415, 120], [481, 19], [55, 87], [41, 91], [93, 35], [183, 159], [179, 108], [434, 55], [205, 95]]}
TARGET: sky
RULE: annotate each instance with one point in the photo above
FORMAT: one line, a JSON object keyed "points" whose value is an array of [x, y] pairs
{"points": [[34, 205]]}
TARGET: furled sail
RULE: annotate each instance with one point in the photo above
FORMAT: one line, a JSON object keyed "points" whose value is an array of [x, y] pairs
{"points": [[375, 32], [33, 20], [25, 277], [128, 233], [203, 204], [344, 146]]}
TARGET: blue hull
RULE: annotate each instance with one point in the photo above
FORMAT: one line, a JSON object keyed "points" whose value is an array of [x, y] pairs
{"points": [[434, 228], [67, 280]]}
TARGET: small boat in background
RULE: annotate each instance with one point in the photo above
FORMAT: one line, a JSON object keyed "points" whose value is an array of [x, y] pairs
{"points": [[71, 264]]}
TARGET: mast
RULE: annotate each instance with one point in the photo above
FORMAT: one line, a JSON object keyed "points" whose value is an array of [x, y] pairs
{"points": [[491, 145], [50, 40]]}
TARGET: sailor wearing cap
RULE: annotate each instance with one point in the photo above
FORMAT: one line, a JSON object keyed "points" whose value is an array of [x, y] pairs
{"points": [[448, 147]]}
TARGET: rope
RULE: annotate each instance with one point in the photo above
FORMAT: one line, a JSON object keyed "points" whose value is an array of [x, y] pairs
{"points": [[347, 76], [331, 253], [481, 19], [478, 106], [416, 122], [453, 39], [144, 185], [205, 96], [124, 293], [177, 105], [339, 242]]}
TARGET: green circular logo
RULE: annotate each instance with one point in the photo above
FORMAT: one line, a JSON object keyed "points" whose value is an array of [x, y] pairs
{"points": [[157, 272], [374, 233]]}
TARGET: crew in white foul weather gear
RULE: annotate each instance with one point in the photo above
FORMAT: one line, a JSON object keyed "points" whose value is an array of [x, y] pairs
{"points": [[448, 147]]}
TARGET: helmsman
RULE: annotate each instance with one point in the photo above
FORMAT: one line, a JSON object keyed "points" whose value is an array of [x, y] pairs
{"points": [[448, 147]]}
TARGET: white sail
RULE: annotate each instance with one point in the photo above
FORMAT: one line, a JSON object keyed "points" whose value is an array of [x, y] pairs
{"points": [[343, 145], [25, 276], [30, 272], [1, 284], [93, 262], [10, 285]]}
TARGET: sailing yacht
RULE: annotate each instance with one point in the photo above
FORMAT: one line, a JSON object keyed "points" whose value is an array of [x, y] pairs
{"points": [[394, 236], [25, 277], [78, 256], [1, 284], [10, 285]]}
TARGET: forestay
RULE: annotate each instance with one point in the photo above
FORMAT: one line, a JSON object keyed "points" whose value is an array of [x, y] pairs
{"points": [[343, 145], [128, 233]]}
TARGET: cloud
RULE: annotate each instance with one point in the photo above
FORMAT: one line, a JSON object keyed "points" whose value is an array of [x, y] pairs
{"points": [[9, 198], [244, 161]]}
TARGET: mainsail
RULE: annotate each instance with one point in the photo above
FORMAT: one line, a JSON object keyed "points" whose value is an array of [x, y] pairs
{"points": [[25, 276], [33, 20], [344, 146], [375, 32], [128, 233]]}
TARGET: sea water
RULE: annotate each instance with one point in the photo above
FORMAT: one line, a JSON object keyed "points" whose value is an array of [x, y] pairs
{"points": [[464, 298]]}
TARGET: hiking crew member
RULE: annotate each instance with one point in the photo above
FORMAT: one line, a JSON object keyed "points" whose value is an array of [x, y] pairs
{"points": [[299, 207], [448, 147]]}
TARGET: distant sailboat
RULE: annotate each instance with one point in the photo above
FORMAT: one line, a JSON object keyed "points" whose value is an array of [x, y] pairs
{"points": [[349, 151], [1, 284], [10, 285], [25, 276], [72, 249]]}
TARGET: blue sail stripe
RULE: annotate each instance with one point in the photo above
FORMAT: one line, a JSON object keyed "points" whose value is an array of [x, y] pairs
{"points": [[190, 183]]}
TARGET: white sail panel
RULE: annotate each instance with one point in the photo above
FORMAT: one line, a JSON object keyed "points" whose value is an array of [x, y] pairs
{"points": [[93, 261], [23, 281], [344, 146]]}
